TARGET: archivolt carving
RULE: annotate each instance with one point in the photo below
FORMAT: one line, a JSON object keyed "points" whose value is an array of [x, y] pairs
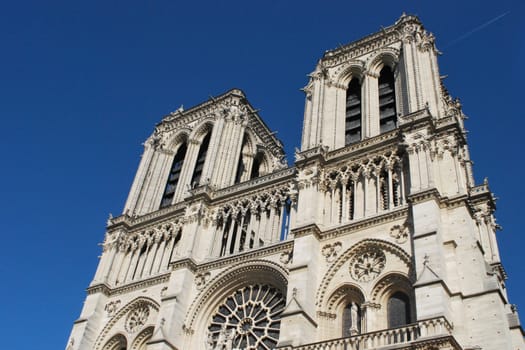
{"points": [[347, 71], [351, 252], [173, 140], [400, 281], [346, 291], [200, 131], [256, 271], [117, 342], [152, 304], [386, 56], [142, 338]]}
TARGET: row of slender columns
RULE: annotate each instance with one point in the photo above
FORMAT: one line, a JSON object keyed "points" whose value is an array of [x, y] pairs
{"points": [[361, 197], [263, 227], [120, 266]]}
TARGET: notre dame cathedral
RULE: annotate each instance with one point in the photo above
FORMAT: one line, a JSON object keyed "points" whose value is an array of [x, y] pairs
{"points": [[376, 238]]}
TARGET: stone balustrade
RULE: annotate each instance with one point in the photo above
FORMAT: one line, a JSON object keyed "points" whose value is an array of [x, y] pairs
{"points": [[430, 328]]}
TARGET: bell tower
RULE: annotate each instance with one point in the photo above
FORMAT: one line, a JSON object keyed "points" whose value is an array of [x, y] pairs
{"points": [[376, 238]]}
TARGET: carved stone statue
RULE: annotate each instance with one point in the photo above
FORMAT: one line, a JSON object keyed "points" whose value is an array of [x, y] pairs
{"points": [[229, 339], [354, 316], [209, 341], [224, 339]]}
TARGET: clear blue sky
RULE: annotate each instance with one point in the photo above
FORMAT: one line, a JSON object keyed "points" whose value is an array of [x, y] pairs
{"points": [[83, 83]]}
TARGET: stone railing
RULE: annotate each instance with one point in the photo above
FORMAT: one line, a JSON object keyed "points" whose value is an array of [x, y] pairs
{"points": [[479, 189], [375, 340]]}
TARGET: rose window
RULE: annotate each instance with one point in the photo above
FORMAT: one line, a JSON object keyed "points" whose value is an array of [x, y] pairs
{"points": [[137, 318], [368, 265], [249, 319]]}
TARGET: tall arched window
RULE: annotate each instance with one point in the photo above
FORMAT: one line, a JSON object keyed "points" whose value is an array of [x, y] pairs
{"points": [[351, 319], [174, 176], [256, 166], [353, 112], [241, 166], [201, 158], [398, 310], [387, 100]]}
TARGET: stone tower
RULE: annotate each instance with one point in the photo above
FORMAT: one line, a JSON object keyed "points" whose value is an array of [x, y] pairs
{"points": [[376, 238]]}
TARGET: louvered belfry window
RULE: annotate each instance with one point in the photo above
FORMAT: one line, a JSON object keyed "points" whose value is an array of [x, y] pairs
{"points": [[174, 176], [201, 158], [387, 100], [353, 112]]}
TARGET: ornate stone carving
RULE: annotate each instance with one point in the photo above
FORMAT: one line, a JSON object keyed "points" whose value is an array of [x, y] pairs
{"points": [[137, 318], [256, 204], [112, 307], [330, 251], [201, 279], [368, 264], [399, 233], [249, 319], [286, 257]]}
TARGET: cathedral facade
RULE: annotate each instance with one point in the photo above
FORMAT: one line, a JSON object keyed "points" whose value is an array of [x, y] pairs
{"points": [[376, 238]]}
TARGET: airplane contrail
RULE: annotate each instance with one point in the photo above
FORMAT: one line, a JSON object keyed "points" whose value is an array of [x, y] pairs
{"points": [[466, 35]]}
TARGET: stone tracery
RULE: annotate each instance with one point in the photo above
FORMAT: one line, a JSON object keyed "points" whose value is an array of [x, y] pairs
{"points": [[248, 319], [347, 187], [253, 222]]}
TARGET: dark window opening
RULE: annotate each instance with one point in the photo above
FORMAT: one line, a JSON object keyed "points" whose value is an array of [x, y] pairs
{"points": [[353, 113], [387, 100], [398, 310], [256, 166], [240, 165], [201, 158], [174, 176]]}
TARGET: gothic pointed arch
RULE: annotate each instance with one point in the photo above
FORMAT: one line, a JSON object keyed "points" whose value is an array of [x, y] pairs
{"points": [[132, 318], [366, 261], [353, 69], [387, 100], [245, 158], [116, 342], [139, 343], [200, 137], [174, 175], [263, 165], [353, 112], [387, 56], [395, 294], [263, 282], [175, 139]]}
